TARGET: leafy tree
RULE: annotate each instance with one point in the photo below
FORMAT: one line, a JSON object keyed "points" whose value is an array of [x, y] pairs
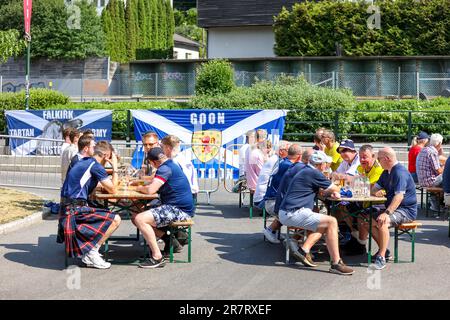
{"points": [[131, 26], [170, 28], [215, 77], [113, 19], [162, 25], [10, 44], [408, 27], [52, 32]]}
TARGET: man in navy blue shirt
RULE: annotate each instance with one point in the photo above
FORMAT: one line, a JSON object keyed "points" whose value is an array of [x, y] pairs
{"points": [[87, 228], [176, 198], [296, 211], [401, 204], [294, 156], [446, 182]]}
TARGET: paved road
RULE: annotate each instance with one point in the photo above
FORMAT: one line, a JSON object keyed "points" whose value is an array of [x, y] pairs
{"points": [[230, 261]]}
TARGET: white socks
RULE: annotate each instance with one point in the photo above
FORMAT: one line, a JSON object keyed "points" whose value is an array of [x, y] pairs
{"points": [[355, 234]]}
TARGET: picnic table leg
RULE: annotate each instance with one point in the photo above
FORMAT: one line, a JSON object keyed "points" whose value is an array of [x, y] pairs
{"points": [[240, 199], [369, 252], [251, 205], [171, 230], [189, 244]]}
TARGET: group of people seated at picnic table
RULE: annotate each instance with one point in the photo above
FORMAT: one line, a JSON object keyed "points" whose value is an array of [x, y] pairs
{"points": [[430, 167], [85, 224], [286, 180]]}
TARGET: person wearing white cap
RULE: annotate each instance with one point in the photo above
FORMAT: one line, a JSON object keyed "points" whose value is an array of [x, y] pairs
{"points": [[296, 211]]}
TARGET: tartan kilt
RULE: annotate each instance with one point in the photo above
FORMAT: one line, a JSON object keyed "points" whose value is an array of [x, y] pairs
{"points": [[84, 227]]}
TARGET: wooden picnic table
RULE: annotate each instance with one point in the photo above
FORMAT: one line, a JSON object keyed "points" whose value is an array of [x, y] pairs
{"points": [[365, 200], [125, 200]]}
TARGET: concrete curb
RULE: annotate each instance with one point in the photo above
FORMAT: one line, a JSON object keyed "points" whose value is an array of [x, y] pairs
{"points": [[23, 222]]}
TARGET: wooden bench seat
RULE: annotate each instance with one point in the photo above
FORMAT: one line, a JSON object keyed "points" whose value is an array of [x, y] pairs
{"points": [[410, 229], [173, 227]]}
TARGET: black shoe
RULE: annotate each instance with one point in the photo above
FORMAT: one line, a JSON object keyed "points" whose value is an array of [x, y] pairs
{"points": [[182, 237], [353, 247], [177, 247], [151, 263], [387, 256], [303, 257]]}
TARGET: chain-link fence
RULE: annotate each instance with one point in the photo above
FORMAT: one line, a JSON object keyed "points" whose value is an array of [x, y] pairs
{"points": [[176, 84]]}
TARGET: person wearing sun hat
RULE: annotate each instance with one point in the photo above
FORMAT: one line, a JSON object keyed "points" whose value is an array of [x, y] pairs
{"points": [[350, 163]]}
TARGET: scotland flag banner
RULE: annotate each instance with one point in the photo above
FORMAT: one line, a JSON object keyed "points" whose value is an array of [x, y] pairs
{"points": [[49, 124], [201, 130]]}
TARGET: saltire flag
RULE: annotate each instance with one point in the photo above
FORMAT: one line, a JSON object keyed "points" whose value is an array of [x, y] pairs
{"points": [[202, 129], [49, 124]]}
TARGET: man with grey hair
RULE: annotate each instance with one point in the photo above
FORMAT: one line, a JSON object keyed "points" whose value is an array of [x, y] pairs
{"points": [[307, 154], [296, 211], [401, 203], [429, 169]]}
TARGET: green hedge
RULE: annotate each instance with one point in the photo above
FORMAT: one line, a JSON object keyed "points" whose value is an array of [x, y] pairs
{"points": [[47, 99], [426, 116], [305, 102], [214, 77], [407, 28]]}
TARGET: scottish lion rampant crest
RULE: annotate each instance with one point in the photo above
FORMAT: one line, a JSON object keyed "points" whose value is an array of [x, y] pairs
{"points": [[210, 140]]}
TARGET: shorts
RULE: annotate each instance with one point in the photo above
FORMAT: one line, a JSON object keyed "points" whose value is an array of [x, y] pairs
{"points": [[397, 218], [166, 213], [302, 218], [270, 207]]}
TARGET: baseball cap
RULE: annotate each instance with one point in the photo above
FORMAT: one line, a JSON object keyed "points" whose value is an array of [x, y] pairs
{"points": [[155, 154], [346, 144], [318, 157], [423, 135]]}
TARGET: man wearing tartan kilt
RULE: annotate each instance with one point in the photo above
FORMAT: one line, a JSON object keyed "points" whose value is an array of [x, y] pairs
{"points": [[87, 228]]}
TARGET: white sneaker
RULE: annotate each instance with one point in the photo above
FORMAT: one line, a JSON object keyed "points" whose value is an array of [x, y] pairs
{"points": [[93, 259], [85, 259], [271, 237]]}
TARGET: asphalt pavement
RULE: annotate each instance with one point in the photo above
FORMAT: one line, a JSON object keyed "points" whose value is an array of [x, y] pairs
{"points": [[230, 261]]}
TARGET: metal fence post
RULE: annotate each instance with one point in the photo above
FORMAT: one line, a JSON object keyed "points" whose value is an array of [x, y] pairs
{"points": [[333, 79], [128, 138], [417, 84], [1, 84], [336, 125], [409, 127], [156, 84], [82, 85]]}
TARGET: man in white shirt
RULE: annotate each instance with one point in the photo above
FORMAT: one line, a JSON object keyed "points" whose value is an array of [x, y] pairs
{"points": [[349, 166], [269, 168], [69, 152], [66, 133]]}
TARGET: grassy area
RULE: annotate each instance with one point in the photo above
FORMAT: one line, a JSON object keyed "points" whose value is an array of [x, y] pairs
{"points": [[16, 205]]}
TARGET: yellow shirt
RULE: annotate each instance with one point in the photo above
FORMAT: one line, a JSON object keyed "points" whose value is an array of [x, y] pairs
{"points": [[374, 173], [335, 155]]}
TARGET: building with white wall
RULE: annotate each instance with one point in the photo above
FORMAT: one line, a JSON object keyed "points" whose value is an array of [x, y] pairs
{"points": [[240, 28], [185, 48]]}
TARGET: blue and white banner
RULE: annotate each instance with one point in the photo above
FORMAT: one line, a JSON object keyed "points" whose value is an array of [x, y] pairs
{"points": [[49, 124], [214, 127]]}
